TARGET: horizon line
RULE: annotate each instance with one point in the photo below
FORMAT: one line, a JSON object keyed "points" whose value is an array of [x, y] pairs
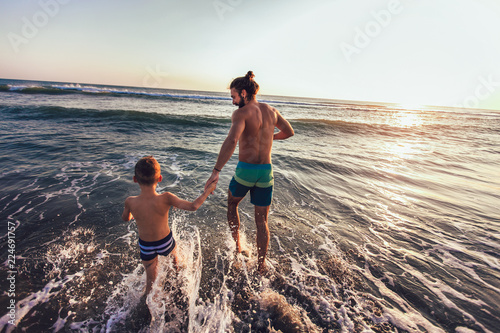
{"points": [[345, 101]]}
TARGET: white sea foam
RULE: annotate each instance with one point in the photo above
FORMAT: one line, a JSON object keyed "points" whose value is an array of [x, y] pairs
{"points": [[109, 90], [58, 257], [24, 306]]}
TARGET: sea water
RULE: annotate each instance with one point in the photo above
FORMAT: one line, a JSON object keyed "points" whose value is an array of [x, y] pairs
{"points": [[384, 218]]}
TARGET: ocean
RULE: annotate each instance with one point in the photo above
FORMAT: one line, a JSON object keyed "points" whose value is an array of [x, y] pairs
{"points": [[384, 218]]}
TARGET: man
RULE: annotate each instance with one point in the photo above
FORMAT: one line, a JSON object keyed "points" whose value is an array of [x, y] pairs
{"points": [[253, 126]]}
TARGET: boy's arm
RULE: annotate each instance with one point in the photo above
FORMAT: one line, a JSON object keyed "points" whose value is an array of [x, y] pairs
{"points": [[173, 200], [126, 215]]}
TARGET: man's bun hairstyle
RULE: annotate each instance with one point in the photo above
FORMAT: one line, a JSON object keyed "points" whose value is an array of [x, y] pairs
{"points": [[246, 83], [250, 75]]}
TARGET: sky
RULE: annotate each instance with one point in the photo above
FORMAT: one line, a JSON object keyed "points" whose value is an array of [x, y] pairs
{"points": [[413, 52]]}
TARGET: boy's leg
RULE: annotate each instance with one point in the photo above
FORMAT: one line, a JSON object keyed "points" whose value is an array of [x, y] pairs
{"points": [[175, 258], [261, 216], [233, 218], [151, 267]]}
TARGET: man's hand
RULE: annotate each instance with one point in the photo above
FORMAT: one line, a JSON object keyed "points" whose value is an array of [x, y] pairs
{"points": [[214, 178], [211, 187]]}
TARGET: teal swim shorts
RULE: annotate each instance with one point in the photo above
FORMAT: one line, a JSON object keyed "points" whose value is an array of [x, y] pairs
{"points": [[256, 178]]}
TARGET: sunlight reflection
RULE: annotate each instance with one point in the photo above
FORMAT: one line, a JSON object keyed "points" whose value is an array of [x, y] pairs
{"points": [[407, 119], [400, 150], [397, 154], [411, 106]]}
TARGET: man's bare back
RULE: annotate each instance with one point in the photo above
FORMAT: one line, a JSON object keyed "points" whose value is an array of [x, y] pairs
{"points": [[252, 125], [256, 141]]}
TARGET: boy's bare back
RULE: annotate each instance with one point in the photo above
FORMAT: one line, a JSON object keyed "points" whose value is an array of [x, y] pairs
{"points": [[151, 215], [150, 210]]}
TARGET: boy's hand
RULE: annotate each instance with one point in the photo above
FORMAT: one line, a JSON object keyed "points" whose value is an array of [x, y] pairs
{"points": [[214, 179], [210, 188]]}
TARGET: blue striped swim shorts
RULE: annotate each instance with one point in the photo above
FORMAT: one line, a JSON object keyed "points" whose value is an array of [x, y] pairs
{"points": [[163, 247]]}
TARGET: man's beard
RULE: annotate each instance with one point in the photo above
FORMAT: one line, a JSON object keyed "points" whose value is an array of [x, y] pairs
{"points": [[242, 102]]}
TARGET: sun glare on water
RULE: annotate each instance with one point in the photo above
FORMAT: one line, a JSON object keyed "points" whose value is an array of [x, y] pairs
{"points": [[410, 106], [409, 115], [408, 119]]}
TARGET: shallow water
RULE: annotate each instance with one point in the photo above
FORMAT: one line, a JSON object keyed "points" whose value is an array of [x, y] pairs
{"points": [[383, 219]]}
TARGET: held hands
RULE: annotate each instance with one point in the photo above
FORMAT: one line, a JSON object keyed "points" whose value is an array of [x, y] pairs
{"points": [[210, 188], [212, 181]]}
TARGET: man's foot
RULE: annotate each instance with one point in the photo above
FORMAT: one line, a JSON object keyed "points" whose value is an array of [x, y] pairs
{"points": [[236, 237], [262, 269]]}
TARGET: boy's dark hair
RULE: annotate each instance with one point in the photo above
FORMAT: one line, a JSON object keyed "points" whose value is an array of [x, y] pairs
{"points": [[147, 171], [246, 82]]}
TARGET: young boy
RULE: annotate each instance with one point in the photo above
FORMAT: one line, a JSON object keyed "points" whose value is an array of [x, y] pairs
{"points": [[150, 211]]}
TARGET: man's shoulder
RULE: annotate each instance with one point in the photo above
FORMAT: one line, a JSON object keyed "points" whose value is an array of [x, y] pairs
{"points": [[254, 107], [241, 113], [267, 107]]}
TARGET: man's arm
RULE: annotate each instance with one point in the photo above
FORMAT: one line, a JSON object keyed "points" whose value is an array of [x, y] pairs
{"points": [[229, 145], [285, 128]]}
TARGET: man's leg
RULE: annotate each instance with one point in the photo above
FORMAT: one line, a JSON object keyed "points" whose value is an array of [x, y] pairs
{"points": [[151, 272], [261, 214], [233, 217]]}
